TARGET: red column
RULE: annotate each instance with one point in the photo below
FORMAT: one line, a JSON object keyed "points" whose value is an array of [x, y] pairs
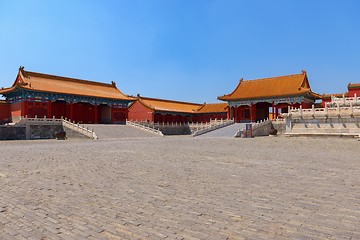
{"points": [[71, 111], [228, 112], [49, 109], [96, 114], [251, 112], [236, 114], [273, 111], [112, 115], [254, 114]]}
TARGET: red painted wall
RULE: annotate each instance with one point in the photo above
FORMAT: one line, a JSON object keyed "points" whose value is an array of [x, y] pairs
{"points": [[351, 92], [306, 105], [120, 115], [39, 109], [206, 117], [15, 111], [58, 109], [4, 112], [138, 112], [83, 113], [323, 101]]}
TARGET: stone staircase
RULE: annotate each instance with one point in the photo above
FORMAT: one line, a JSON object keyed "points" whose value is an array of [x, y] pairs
{"points": [[228, 131], [107, 131]]}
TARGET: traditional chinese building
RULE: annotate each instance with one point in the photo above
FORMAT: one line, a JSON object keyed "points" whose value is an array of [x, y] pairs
{"points": [[211, 111], [328, 97], [253, 100], [354, 88], [161, 110], [43, 95]]}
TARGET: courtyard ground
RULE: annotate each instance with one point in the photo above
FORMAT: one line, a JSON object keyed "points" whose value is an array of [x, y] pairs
{"points": [[180, 188]]}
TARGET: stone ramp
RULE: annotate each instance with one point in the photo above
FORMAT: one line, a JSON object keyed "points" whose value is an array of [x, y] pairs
{"points": [[116, 131], [228, 131]]}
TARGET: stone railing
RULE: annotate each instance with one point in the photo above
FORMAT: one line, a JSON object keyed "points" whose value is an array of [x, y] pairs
{"points": [[201, 125], [38, 121], [344, 101], [213, 126], [144, 126], [327, 112], [328, 121], [80, 129]]}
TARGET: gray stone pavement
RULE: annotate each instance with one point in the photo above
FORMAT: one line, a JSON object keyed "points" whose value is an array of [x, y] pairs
{"points": [[180, 188]]}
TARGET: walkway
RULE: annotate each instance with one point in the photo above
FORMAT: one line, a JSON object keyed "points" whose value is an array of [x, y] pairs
{"points": [[180, 188]]}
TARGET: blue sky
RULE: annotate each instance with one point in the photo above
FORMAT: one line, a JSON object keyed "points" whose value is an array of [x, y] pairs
{"points": [[182, 49]]}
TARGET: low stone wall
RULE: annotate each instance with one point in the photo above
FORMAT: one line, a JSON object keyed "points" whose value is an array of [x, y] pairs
{"points": [[323, 126], [279, 126], [263, 130], [29, 132], [12, 132], [43, 131], [174, 130]]}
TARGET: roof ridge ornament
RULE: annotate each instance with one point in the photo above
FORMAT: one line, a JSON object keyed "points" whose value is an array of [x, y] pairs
{"points": [[23, 72], [303, 71]]}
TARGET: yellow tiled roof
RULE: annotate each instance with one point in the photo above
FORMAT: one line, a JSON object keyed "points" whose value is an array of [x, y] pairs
{"points": [[213, 108], [338, 95], [50, 83], [353, 85], [289, 85], [168, 105]]}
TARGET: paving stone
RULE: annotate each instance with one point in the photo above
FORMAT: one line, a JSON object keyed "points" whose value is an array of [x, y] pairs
{"points": [[180, 188]]}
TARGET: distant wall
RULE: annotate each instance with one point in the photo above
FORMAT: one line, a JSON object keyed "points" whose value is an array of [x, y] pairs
{"points": [[138, 112], [351, 92]]}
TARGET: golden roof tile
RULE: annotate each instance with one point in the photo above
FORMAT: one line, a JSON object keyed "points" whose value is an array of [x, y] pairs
{"points": [[353, 85], [168, 105], [213, 108], [56, 84], [281, 86]]}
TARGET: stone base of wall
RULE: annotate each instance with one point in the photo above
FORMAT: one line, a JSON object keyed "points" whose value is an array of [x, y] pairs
{"points": [[12, 133], [29, 132], [280, 127], [175, 130], [44, 131], [323, 126]]}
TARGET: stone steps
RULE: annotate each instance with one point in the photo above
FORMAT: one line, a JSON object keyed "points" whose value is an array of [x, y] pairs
{"points": [[228, 131]]}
